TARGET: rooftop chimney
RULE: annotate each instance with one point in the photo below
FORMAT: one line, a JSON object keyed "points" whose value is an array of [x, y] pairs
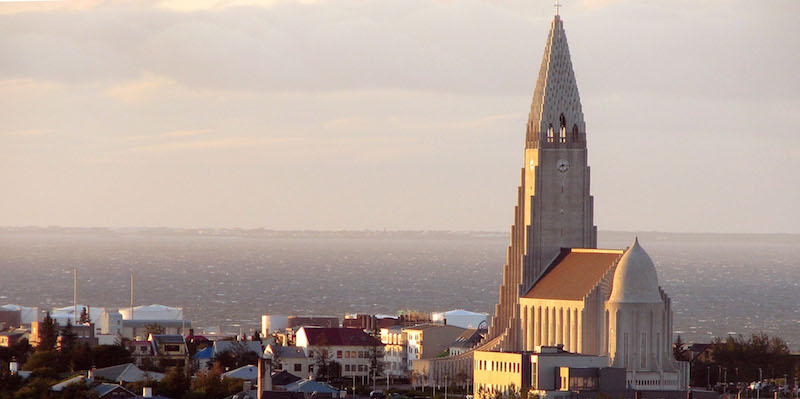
{"points": [[147, 392], [264, 376]]}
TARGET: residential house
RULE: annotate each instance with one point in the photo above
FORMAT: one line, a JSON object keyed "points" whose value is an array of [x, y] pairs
{"points": [[427, 341], [142, 351], [466, 341], [9, 338], [127, 372], [395, 352], [293, 359], [246, 373], [112, 391], [701, 353], [313, 389], [170, 350], [350, 347]]}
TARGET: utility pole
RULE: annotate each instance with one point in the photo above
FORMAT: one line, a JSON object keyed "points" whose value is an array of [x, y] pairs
{"points": [[131, 295], [725, 379], [760, 376]]}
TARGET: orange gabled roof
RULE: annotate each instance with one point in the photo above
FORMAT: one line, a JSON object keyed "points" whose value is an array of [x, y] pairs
{"points": [[574, 273]]}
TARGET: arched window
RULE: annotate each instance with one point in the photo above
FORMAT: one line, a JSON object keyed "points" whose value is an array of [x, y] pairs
{"points": [[562, 134], [550, 137], [575, 135]]}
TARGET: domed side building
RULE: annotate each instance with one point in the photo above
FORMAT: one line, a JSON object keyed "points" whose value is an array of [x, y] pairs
{"points": [[606, 303]]}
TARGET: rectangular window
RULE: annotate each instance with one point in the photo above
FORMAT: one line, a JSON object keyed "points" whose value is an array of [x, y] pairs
{"points": [[298, 367], [310, 368], [346, 367], [347, 354], [338, 354]]}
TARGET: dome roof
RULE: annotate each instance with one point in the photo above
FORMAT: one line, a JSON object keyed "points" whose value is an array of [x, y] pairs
{"points": [[635, 279]]}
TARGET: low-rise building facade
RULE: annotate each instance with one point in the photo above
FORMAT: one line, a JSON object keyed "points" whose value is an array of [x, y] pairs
{"points": [[427, 341], [395, 352], [350, 347]]}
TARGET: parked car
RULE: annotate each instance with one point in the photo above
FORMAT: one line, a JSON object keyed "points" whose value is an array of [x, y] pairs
{"points": [[377, 394]]}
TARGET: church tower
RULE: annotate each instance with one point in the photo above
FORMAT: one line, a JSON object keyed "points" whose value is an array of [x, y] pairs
{"points": [[555, 208]]}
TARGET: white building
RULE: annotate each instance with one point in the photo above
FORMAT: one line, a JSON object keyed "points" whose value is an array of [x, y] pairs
{"points": [[27, 315], [350, 347], [395, 351], [461, 318], [61, 315], [152, 312], [272, 323]]}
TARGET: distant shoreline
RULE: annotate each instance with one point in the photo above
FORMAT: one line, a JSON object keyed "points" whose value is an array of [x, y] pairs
{"points": [[369, 234]]}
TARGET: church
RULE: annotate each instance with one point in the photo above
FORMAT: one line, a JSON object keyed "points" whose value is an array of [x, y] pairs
{"points": [[570, 317]]}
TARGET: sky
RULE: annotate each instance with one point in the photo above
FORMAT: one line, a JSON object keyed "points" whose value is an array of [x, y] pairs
{"points": [[391, 114]]}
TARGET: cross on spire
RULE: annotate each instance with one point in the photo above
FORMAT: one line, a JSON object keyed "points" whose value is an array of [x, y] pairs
{"points": [[558, 7]]}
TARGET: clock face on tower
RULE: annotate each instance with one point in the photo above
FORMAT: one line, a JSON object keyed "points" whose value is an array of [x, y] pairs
{"points": [[562, 165]]}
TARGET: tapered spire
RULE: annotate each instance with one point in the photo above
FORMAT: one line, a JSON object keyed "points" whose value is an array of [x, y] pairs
{"points": [[556, 90]]}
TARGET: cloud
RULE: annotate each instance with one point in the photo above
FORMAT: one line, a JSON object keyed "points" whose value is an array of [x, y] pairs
{"points": [[144, 87]]}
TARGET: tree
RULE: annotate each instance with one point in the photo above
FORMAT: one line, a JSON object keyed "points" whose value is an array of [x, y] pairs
{"points": [[48, 334], [18, 351], [461, 379], [322, 359], [770, 354], [44, 363], [678, 350], [174, 384], [376, 364], [209, 384], [110, 355], [276, 344], [235, 356], [80, 357], [68, 337], [84, 318], [122, 340]]}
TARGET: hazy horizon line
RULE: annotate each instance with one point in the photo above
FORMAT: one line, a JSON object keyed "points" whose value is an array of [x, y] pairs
{"points": [[363, 230]]}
